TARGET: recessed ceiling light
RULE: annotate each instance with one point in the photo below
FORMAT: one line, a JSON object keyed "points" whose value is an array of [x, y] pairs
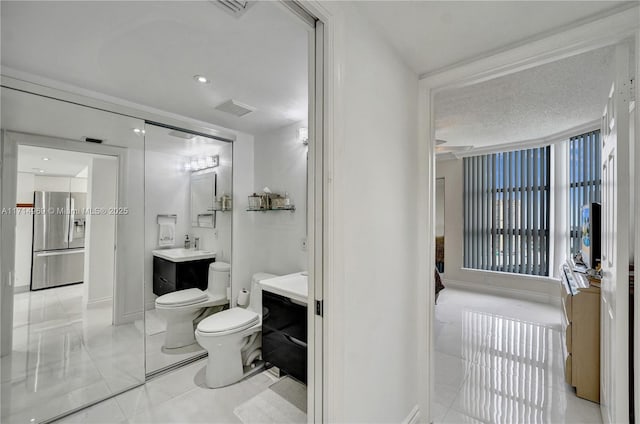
{"points": [[201, 79], [45, 158]]}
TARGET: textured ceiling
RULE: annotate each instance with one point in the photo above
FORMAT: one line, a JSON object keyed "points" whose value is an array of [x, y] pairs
{"points": [[148, 52], [431, 35], [531, 104]]}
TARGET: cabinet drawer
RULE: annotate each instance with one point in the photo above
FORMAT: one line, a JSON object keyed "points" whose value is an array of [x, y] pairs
{"points": [[283, 315], [285, 352], [162, 286], [567, 337], [165, 269]]}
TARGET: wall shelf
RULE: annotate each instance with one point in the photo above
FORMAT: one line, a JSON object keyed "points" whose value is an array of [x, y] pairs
{"points": [[290, 208]]}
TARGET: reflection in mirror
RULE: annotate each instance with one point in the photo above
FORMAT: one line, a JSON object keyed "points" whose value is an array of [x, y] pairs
{"points": [[440, 224], [187, 180], [73, 340], [203, 199]]}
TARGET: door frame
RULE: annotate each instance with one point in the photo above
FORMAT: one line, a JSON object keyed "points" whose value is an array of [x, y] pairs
{"points": [[13, 139], [582, 37]]}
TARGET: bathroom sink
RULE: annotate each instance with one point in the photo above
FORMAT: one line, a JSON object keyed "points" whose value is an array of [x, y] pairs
{"points": [[294, 286], [183, 255]]}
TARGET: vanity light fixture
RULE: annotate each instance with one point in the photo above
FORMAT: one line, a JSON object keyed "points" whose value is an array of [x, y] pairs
{"points": [[138, 131], [303, 135], [201, 79], [200, 163]]}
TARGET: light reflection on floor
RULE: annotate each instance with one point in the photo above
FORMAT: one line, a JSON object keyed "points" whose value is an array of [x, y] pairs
{"points": [[65, 356], [499, 360]]}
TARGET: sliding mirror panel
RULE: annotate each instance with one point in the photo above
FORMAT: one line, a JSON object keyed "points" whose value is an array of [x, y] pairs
{"points": [[72, 231], [188, 220]]}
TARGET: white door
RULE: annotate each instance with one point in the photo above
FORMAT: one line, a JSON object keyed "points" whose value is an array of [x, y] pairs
{"points": [[614, 330]]}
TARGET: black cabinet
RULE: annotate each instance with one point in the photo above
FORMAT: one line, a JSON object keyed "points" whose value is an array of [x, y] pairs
{"points": [[284, 335], [173, 276]]}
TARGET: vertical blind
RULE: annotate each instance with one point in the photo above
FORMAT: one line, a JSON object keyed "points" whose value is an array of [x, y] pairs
{"points": [[506, 211], [584, 179]]}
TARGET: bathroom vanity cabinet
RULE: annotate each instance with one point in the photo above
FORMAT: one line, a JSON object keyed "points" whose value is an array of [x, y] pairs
{"points": [[284, 334], [171, 276]]}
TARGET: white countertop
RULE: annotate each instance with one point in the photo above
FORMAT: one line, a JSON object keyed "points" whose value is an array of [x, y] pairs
{"points": [[294, 286], [183, 255]]}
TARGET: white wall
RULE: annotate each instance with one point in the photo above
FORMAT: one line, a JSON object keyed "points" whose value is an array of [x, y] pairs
{"points": [[533, 287], [281, 166], [24, 231], [243, 221], [375, 181], [440, 195], [100, 232]]}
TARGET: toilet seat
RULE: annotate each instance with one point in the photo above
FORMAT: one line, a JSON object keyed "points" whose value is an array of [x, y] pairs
{"points": [[182, 298], [229, 321]]}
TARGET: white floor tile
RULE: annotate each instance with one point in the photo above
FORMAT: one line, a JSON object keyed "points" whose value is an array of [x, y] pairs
{"points": [[506, 355], [65, 356]]}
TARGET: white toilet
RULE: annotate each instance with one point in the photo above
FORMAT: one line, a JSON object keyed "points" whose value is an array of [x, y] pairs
{"points": [[180, 308], [232, 338]]}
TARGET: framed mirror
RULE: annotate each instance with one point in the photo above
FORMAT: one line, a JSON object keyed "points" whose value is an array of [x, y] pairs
{"points": [[203, 199]]}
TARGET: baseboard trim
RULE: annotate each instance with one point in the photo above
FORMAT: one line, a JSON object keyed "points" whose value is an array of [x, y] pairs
{"points": [[97, 303], [21, 289], [533, 296], [129, 318], [413, 417]]}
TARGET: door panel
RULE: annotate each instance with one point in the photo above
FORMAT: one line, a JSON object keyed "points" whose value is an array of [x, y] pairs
{"points": [[614, 339]]}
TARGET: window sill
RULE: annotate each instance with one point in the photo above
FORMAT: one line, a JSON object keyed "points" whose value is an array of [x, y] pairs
{"points": [[538, 278]]}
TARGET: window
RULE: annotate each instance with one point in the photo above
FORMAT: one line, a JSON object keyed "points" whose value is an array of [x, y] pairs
{"points": [[506, 211], [584, 180]]}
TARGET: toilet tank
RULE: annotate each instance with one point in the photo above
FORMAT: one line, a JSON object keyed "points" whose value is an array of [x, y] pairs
{"points": [[219, 278], [255, 296]]}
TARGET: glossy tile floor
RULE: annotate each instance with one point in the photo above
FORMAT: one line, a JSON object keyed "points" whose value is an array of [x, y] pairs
{"points": [[499, 360], [65, 356], [179, 396]]}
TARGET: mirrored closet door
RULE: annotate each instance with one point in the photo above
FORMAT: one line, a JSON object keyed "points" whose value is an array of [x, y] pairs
{"points": [[187, 252], [72, 238]]}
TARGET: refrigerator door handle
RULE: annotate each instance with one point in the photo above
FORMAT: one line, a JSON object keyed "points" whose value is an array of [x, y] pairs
{"points": [[72, 218], [58, 252]]}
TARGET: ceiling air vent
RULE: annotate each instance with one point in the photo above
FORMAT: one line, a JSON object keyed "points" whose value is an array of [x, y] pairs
{"points": [[235, 108], [234, 7]]}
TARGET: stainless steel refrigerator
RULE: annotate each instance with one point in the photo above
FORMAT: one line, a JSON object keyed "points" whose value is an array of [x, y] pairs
{"points": [[59, 224]]}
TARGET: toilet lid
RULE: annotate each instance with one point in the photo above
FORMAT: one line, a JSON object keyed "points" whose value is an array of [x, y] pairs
{"points": [[231, 319], [182, 297]]}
